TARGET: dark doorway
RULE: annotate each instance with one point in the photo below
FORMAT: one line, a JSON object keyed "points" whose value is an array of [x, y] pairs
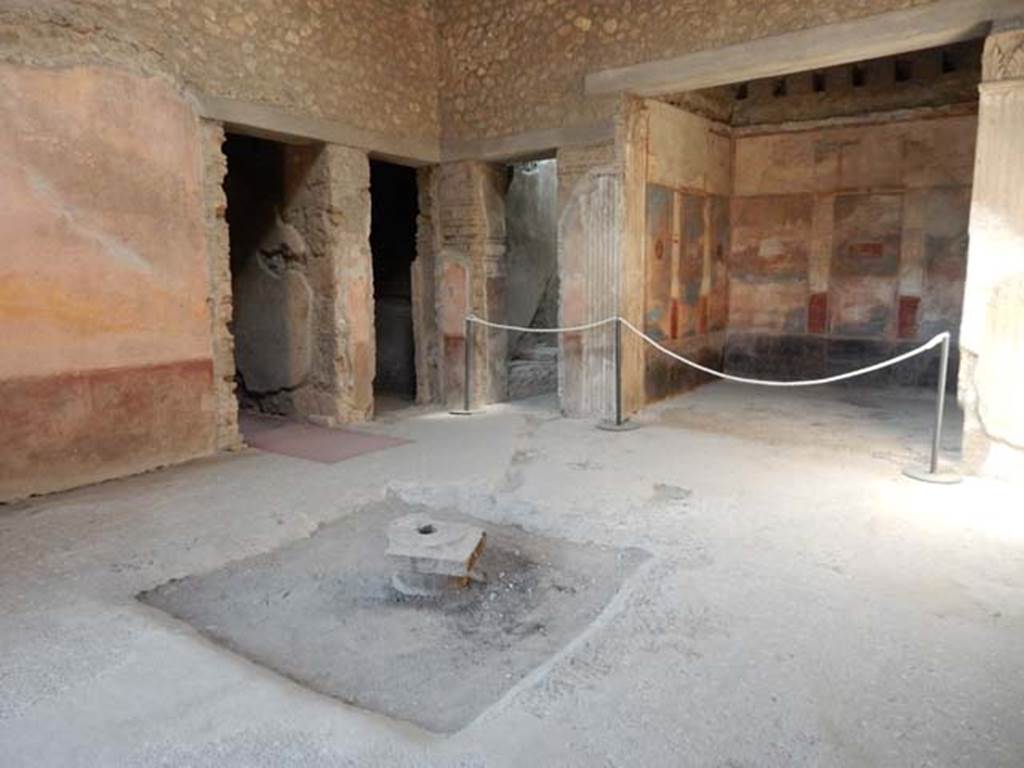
{"points": [[273, 286], [394, 208], [255, 191]]}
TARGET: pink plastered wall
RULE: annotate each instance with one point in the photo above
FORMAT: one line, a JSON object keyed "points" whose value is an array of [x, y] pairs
{"points": [[105, 359]]}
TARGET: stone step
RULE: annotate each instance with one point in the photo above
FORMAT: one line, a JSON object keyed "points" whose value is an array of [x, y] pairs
{"points": [[543, 352], [527, 378]]}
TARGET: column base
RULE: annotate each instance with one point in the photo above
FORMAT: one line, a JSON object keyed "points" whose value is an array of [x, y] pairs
{"points": [[925, 475], [625, 426]]}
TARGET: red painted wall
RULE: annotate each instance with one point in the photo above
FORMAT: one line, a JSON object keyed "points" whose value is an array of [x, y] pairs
{"points": [[105, 354], [856, 231]]}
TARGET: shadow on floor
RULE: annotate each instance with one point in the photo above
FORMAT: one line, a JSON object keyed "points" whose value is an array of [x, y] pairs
{"points": [[894, 422]]}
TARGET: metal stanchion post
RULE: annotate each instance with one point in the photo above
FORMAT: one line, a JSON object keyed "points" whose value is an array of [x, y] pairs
{"points": [[618, 373], [620, 424], [932, 474], [467, 374], [940, 404]]}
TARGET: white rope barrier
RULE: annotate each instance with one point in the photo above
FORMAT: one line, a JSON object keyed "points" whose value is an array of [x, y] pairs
{"points": [[930, 344], [929, 474], [933, 342], [569, 329]]}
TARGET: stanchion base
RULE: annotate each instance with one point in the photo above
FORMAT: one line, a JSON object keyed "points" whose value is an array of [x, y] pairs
{"points": [[625, 426], [925, 475], [461, 412]]}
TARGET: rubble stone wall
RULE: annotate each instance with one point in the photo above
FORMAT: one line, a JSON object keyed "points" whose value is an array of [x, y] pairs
{"points": [[370, 64], [513, 67]]}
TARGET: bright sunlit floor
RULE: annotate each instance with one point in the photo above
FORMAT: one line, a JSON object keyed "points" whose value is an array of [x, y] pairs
{"points": [[800, 602]]}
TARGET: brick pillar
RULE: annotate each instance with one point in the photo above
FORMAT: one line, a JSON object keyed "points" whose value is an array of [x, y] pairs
{"points": [[470, 277], [327, 214], [992, 331], [349, 334]]}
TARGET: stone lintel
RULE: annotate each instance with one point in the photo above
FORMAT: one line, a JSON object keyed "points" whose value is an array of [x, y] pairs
{"points": [[883, 34], [528, 145], [268, 122]]}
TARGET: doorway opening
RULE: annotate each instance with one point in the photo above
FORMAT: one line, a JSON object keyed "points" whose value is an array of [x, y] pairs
{"points": [[532, 286], [394, 207], [274, 280]]}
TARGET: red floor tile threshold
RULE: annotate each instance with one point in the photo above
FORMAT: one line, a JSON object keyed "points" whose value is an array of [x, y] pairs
{"points": [[308, 441]]}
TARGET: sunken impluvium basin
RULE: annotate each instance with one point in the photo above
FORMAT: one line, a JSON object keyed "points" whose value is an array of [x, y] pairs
{"points": [[325, 611]]}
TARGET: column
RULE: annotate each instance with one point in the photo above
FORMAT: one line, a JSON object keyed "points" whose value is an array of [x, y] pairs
{"points": [[992, 332]]}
